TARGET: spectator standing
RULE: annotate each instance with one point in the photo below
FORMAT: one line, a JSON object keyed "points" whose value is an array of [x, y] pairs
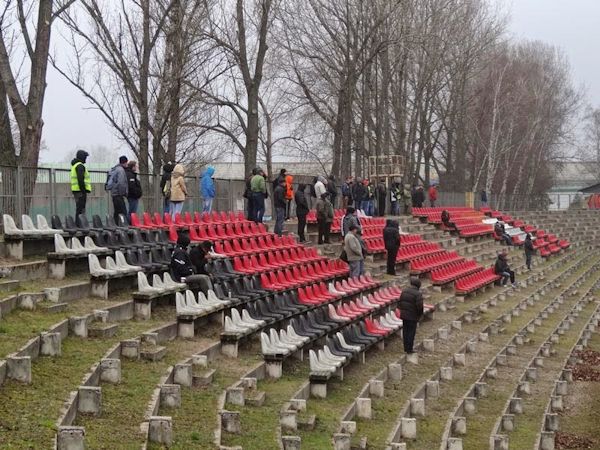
{"points": [[367, 201], [165, 186], [324, 218], [178, 190], [502, 268], [418, 197], [248, 196], [359, 193], [433, 195], [350, 219], [280, 204], [207, 189], [332, 190], [81, 184], [289, 195], [320, 187], [301, 210], [529, 250], [134, 187], [406, 199], [395, 198], [391, 240], [354, 252], [381, 192], [347, 193], [411, 311], [118, 187], [484, 198], [282, 175], [258, 186]]}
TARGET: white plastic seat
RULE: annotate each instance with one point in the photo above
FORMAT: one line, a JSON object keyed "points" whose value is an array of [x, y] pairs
{"points": [[246, 318], [28, 226], [157, 283], [10, 227], [230, 327], [331, 357], [42, 224], [168, 281], [325, 360], [90, 245], [345, 345], [123, 265], [237, 321], [212, 297], [316, 365], [181, 307], [334, 315], [76, 246], [191, 303], [144, 286], [205, 304], [61, 247], [112, 265], [292, 332], [277, 342], [97, 270]]}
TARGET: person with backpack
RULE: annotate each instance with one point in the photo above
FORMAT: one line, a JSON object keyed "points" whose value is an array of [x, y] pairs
{"points": [[380, 193], [118, 186], [178, 190], [81, 184], [418, 197], [207, 189], [354, 252], [134, 187], [165, 186], [301, 211], [347, 193], [391, 240], [411, 311], [280, 204], [248, 196], [529, 250], [324, 218], [289, 195]]}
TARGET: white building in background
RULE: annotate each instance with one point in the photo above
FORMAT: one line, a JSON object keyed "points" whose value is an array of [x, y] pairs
{"points": [[570, 179]]}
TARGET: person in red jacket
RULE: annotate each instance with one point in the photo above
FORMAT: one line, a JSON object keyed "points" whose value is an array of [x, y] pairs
{"points": [[432, 195]]}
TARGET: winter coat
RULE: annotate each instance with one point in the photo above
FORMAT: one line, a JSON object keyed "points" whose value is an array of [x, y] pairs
{"points": [[178, 189], [353, 247], [257, 184], [166, 176], [347, 221], [433, 193], [134, 186], [207, 185], [418, 197], [359, 193], [289, 188], [411, 304], [117, 184], [501, 265], [80, 157], [301, 203], [279, 197], [391, 235], [381, 191], [347, 190], [445, 217], [198, 259], [320, 188], [499, 229], [324, 210], [528, 246], [181, 264]]}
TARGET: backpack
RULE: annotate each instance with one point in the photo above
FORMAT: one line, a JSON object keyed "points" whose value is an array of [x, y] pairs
{"points": [[167, 189]]}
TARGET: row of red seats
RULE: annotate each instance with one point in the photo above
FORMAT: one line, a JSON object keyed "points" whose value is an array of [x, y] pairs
{"points": [[241, 247], [303, 275], [319, 294], [419, 250], [476, 230], [376, 245], [199, 233], [475, 281], [454, 271], [431, 262], [273, 260], [165, 221], [311, 217], [424, 211]]}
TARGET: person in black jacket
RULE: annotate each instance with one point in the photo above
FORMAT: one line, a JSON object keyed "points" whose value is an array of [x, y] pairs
{"points": [[198, 257], [500, 231], [411, 310], [381, 192], [166, 177], [331, 189], [529, 250], [134, 191], [391, 240], [502, 268], [280, 205], [418, 197], [301, 210], [359, 193], [181, 264]]}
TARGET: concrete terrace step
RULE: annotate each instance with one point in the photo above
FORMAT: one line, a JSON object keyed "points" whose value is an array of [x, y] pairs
{"points": [[103, 330], [153, 353]]}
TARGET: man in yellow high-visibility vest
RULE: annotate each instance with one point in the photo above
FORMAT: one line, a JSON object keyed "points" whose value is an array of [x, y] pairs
{"points": [[81, 183]]}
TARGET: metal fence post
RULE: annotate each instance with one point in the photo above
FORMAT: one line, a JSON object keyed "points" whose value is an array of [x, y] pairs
{"points": [[52, 180], [20, 193]]}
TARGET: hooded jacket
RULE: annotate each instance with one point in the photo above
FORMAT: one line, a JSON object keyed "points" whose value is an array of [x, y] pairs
{"points": [[178, 189], [279, 196], [528, 246], [134, 187], [118, 184], [501, 265], [411, 303], [207, 185], [391, 235], [353, 247], [166, 176], [80, 157], [300, 199], [289, 189]]}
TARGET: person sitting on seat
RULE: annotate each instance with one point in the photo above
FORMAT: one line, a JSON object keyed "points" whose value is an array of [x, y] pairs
{"points": [[446, 220], [199, 256], [182, 268], [502, 268], [500, 232]]}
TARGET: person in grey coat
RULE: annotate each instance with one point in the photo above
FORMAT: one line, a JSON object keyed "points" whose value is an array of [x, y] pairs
{"points": [[118, 186], [354, 252]]}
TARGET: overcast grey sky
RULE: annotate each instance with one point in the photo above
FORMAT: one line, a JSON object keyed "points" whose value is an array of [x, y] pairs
{"points": [[569, 24]]}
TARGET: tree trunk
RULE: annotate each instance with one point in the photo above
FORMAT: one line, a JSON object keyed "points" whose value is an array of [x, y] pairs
{"points": [[7, 144]]}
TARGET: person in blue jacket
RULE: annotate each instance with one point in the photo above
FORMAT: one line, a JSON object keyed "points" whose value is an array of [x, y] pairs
{"points": [[207, 188]]}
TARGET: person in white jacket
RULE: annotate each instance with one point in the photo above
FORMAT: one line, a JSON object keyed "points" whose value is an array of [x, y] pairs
{"points": [[320, 186]]}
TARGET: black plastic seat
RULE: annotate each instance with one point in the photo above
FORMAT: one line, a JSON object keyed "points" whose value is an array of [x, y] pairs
{"points": [[111, 240], [137, 239], [111, 225], [337, 351], [125, 240], [122, 221], [145, 261], [71, 226], [158, 256], [56, 223], [97, 222]]}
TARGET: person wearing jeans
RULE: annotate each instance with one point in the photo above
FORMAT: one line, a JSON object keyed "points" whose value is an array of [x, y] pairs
{"points": [[501, 268], [411, 310], [207, 189], [301, 210], [118, 186], [354, 252], [178, 190], [258, 186], [280, 204]]}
